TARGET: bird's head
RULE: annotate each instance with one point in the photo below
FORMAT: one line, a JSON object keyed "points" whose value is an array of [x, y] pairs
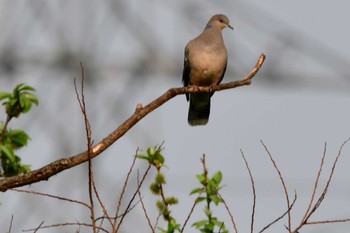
{"points": [[219, 21]]}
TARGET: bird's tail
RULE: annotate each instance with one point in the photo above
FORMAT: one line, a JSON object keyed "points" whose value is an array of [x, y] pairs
{"points": [[199, 110]]}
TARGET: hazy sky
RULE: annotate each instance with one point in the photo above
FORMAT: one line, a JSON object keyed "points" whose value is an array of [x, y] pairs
{"points": [[133, 52]]}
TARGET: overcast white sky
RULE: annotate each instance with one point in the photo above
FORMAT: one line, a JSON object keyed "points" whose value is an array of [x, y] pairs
{"points": [[133, 52]]}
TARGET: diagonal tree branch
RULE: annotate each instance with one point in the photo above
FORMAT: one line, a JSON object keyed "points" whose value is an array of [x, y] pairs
{"points": [[57, 166]]}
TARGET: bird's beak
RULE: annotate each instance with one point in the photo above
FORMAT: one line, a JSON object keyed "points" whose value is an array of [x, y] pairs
{"points": [[229, 26]]}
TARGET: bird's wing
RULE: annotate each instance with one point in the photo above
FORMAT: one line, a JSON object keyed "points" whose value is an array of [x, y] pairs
{"points": [[186, 73], [223, 74]]}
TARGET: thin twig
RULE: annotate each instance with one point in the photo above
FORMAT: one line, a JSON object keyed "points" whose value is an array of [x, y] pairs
{"points": [[157, 220], [143, 205], [254, 193], [229, 213], [119, 216], [280, 217], [89, 144], [51, 196], [316, 184], [101, 224], [329, 221], [133, 197], [55, 167], [318, 203], [191, 211], [324, 192], [283, 184], [67, 224], [36, 229], [4, 129], [10, 227], [222, 225], [100, 202], [124, 187], [92, 184]]}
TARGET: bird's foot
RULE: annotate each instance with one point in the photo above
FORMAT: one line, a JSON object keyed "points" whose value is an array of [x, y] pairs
{"points": [[213, 87]]}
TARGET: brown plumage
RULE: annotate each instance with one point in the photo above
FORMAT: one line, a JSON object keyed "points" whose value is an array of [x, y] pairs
{"points": [[205, 65]]}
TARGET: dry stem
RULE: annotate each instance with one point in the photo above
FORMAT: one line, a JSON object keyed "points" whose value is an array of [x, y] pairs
{"points": [[254, 192], [283, 184]]}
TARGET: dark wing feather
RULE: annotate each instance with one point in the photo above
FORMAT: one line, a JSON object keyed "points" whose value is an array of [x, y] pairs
{"points": [[186, 74], [223, 74], [222, 77]]}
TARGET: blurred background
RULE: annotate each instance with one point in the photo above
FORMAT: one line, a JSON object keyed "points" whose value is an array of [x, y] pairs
{"points": [[132, 51]]}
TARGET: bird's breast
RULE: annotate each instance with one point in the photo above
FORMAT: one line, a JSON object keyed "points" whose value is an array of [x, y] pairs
{"points": [[207, 68]]}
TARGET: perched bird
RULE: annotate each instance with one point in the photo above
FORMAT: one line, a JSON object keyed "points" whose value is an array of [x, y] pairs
{"points": [[205, 65]]}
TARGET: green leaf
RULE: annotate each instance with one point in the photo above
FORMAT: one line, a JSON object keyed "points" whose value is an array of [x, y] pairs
{"points": [[19, 86], [18, 138], [160, 178], [212, 188], [200, 199], [142, 157], [196, 190], [32, 98], [153, 157], [24, 169], [199, 224], [215, 198], [155, 188], [8, 153], [159, 157], [151, 151], [201, 178], [26, 88], [209, 227], [173, 225], [218, 223], [166, 213], [160, 205], [25, 104], [20, 100], [171, 200], [217, 177], [207, 211], [4, 95]]}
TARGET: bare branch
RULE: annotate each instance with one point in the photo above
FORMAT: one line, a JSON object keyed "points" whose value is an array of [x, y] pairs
{"points": [[254, 193], [65, 224], [157, 220], [51, 196], [191, 211], [55, 167], [143, 205], [89, 144], [283, 184], [323, 194], [124, 187], [133, 197], [229, 213], [329, 221], [10, 227], [119, 216], [36, 229], [321, 198], [306, 216], [105, 212], [280, 217]]}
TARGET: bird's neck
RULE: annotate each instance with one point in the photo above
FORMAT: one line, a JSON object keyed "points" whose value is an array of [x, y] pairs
{"points": [[209, 25], [212, 35]]}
